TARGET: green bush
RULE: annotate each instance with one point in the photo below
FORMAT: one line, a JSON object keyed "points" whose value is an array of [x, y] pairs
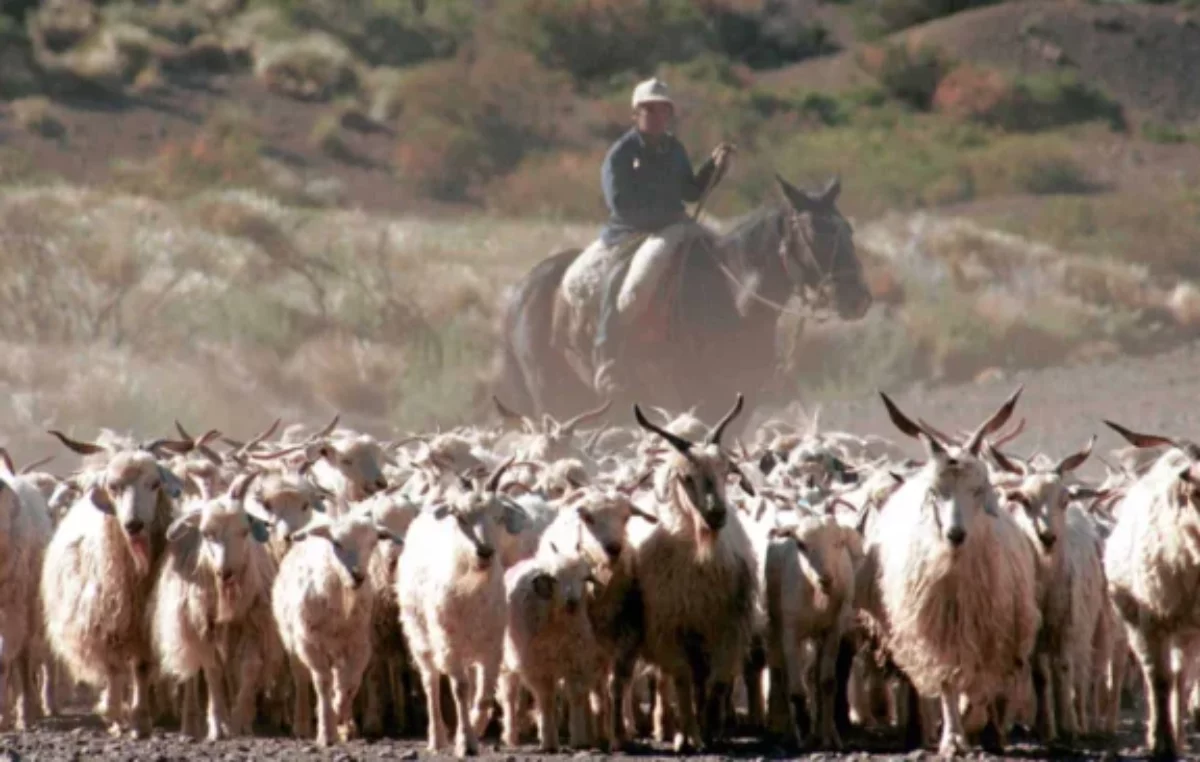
{"points": [[908, 74], [770, 36], [1052, 100], [596, 39], [388, 32]]}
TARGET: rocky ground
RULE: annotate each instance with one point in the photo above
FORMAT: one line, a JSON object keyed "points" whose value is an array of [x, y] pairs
{"points": [[78, 737]]}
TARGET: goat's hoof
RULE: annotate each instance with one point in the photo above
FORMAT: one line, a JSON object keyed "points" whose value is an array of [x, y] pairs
{"points": [[684, 746], [462, 749], [952, 746]]}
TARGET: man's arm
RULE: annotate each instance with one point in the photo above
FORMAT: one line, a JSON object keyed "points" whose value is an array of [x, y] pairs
{"points": [[694, 183]]}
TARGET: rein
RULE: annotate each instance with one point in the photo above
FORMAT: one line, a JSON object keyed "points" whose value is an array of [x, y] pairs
{"points": [[817, 315]]}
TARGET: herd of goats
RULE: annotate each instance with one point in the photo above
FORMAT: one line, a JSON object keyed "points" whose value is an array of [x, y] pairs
{"points": [[660, 581]]}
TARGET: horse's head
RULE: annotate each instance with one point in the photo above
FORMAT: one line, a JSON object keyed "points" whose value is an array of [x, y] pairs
{"points": [[818, 251]]}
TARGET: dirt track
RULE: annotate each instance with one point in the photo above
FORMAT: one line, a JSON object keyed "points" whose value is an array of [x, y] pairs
{"points": [[1063, 407]]}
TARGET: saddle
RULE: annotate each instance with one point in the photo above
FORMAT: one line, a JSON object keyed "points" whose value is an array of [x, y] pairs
{"points": [[575, 329]]}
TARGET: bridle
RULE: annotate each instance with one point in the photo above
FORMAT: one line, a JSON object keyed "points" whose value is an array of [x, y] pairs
{"points": [[814, 281]]}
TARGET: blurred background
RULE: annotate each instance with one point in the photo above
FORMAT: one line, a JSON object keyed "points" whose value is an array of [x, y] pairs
{"points": [[224, 211]]}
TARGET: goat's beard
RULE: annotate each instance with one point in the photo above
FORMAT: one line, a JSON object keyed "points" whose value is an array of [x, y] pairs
{"points": [[227, 596], [139, 550]]}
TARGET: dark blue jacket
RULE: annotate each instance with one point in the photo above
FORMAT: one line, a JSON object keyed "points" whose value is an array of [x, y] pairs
{"points": [[645, 187]]}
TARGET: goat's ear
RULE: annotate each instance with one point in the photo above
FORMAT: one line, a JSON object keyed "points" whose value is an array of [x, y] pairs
{"points": [[543, 586], [259, 530], [440, 511], [100, 498], [387, 534], [514, 517], [182, 525], [746, 486], [643, 515], [767, 463], [170, 483]]}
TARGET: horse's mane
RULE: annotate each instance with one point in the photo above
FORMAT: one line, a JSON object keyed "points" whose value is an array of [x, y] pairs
{"points": [[706, 304]]}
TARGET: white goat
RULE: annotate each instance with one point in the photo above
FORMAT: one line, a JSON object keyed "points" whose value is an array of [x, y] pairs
{"points": [[451, 591], [211, 611], [956, 580], [322, 607]]}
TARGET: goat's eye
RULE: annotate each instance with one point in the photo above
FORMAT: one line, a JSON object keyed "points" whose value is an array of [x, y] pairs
{"points": [[346, 462], [154, 485]]}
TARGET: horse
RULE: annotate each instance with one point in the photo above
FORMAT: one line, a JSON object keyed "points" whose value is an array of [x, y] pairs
{"points": [[710, 333]]}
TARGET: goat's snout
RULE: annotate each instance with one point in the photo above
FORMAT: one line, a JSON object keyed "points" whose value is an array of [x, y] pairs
{"points": [[358, 578], [716, 518], [572, 605], [1048, 539], [485, 552], [956, 536], [826, 583], [226, 575], [613, 550], [134, 526]]}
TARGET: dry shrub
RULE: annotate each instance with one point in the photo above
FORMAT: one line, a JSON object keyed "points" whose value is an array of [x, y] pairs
{"points": [[972, 92], [470, 119], [59, 25], [315, 66], [1024, 104], [39, 116], [557, 185]]}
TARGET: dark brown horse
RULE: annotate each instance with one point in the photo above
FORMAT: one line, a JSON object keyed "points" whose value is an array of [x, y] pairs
{"points": [[711, 333]]}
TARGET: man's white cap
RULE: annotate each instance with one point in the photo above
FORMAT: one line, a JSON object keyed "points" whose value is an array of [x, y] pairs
{"points": [[653, 90]]}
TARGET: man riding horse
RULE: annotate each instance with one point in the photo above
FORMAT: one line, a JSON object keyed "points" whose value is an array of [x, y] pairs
{"points": [[646, 178]]}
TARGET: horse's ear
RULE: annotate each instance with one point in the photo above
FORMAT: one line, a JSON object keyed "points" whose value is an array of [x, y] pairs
{"points": [[830, 195], [799, 200]]}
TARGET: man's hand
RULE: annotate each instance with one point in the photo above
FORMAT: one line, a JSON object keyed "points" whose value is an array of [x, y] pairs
{"points": [[722, 154]]}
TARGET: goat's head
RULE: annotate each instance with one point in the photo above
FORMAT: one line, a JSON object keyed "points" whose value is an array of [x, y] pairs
{"points": [[479, 512], [286, 502], [818, 540], [352, 538], [1040, 497], [603, 514], [1182, 455], [225, 531], [957, 488], [130, 488], [700, 469], [561, 579]]}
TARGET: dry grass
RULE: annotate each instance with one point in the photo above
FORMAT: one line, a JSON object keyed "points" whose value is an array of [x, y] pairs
{"points": [[228, 308]]}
